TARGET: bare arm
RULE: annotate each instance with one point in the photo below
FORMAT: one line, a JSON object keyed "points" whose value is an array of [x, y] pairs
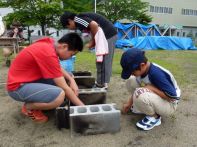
{"points": [[71, 80], [60, 82], [127, 105], [93, 29]]}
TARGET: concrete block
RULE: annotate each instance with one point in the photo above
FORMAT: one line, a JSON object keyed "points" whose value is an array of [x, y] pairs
{"points": [[93, 96], [94, 119], [82, 73], [85, 81], [62, 115]]}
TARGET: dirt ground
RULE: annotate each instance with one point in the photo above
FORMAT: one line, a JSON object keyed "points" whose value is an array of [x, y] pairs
{"points": [[179, 130]]}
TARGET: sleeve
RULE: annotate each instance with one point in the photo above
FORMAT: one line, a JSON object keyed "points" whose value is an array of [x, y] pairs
{"points": [[49, 65], [163, 82], [82, 22]]}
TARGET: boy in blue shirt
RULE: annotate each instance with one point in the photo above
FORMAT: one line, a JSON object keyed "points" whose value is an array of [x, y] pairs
{"points": [[154, 90]]}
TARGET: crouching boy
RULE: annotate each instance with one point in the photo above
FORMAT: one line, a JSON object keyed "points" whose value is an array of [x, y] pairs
{"points": [[154, 91], [36, 78]]}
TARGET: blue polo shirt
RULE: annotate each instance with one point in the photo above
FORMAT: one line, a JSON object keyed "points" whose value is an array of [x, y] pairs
{"points": [[162, 79]]}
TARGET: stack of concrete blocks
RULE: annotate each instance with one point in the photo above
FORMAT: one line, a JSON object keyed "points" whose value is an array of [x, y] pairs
{"points": [[84, 79], [94, 119], [93, 96]]}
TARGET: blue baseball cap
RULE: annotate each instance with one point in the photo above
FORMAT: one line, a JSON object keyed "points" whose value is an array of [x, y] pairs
{"points": [[130, 60]]}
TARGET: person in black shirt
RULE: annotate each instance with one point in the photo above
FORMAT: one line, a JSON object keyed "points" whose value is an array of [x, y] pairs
{"points": [[91, 22]]}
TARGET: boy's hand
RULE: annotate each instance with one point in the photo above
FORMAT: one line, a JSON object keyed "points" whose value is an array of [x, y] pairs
{"points": [[91, 44], [125, 108]]}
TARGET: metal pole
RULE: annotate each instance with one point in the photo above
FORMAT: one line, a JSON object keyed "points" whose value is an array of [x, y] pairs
{"points": [[95, 6]]}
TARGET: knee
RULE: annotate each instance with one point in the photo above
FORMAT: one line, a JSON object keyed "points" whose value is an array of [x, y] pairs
{"points": [[60, 99], [141, 96]]}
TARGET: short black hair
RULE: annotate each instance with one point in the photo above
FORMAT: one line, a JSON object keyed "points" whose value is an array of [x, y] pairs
{"points": [[73, 40], [64, 18]]}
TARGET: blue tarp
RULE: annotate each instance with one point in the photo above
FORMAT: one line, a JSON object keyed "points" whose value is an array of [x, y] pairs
{"points": [[149, 37], [129, 31], [158, 42]]}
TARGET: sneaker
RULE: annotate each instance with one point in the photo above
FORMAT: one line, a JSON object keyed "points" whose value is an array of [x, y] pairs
{"points": [[148, 123], [105, 86], [35, 115]]}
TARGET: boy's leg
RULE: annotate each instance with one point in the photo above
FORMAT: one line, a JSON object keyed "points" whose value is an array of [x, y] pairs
{"points": [[150, 103], [104, 69], [48, 96], [38, 96], [100, 72], [153, 106], [108, 59]]}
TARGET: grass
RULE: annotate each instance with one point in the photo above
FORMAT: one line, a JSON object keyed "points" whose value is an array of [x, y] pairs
{"points": [[180, 63], [183, 64]]}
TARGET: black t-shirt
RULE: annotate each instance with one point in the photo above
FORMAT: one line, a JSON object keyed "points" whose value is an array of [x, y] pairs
{"points": [[82, 23]]}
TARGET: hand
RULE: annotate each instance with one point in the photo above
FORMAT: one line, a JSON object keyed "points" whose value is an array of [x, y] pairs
{"points": [[91, 44], [125, 108]]}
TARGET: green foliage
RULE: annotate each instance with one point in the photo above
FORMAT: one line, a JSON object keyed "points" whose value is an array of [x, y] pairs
{"points": [[45, 13], [78, 6], [35, 12], [133, 10]]}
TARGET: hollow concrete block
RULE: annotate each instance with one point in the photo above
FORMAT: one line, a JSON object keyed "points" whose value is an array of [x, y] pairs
{"points": [[62, 115], [94, 119], [93, 96], [82, 73], [85, 81]]}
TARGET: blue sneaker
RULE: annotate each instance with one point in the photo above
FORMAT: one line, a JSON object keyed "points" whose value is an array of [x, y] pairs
{"points": [[148, 123]]}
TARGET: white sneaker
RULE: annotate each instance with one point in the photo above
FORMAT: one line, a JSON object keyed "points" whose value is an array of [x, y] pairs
{"points": [[106, 86], [148, 123]]}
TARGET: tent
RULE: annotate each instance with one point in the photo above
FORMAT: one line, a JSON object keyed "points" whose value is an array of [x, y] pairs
{"points": [[129, 31], [149, 37]]}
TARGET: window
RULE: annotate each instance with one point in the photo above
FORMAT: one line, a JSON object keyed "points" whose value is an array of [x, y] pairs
{"points": [[178, 34], [170, 11], [158, 9], [183, 34], [151, 8], [189, 12]]}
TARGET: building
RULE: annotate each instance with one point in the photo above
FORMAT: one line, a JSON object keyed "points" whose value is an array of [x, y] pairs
{"points": [[5, 11], [180, 16]]}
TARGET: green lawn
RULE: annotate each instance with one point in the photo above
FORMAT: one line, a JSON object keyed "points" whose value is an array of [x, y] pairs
{"points": [[183, 64], [180, 63]]}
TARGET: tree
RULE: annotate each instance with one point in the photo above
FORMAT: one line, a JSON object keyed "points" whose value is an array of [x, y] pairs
{"points": [[133, 10], [45, 13], [78, 6], [34, 12]]}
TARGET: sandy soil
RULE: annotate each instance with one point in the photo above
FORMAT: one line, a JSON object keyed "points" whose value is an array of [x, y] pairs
{"points": [[178, 130]]}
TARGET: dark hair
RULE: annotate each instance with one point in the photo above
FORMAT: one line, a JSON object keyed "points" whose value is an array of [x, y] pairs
{"points": [[73, 40], [64, 18]]}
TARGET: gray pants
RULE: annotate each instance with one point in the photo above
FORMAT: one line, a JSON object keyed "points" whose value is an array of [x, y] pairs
{"points": [[40, 91], [104, 69]]}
